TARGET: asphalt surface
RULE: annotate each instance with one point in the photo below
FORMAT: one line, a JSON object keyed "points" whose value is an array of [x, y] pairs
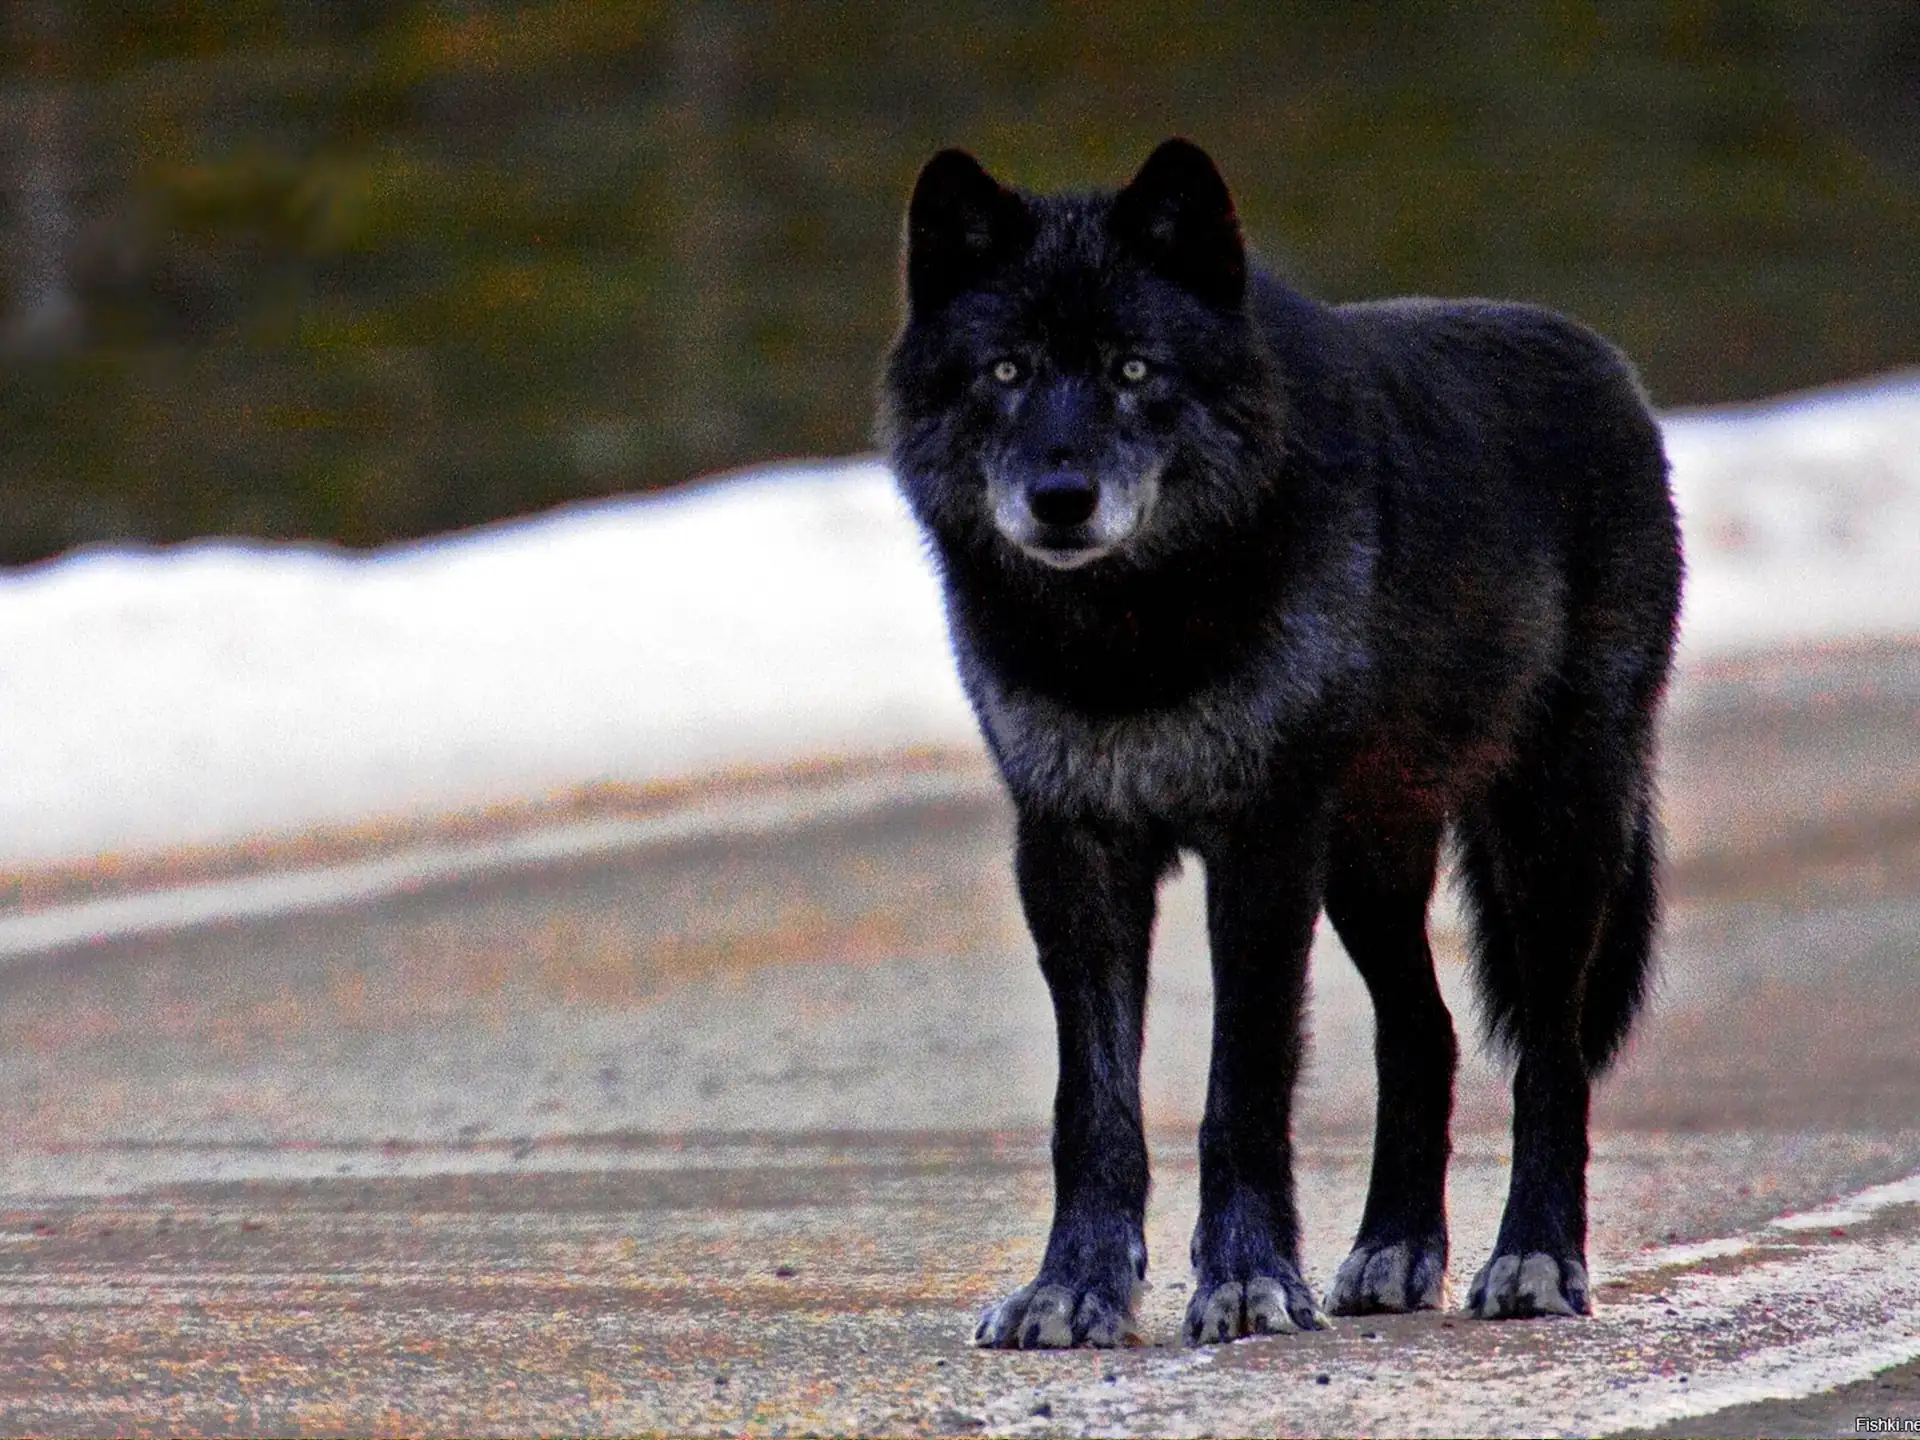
{"points": [[737, 1132]]}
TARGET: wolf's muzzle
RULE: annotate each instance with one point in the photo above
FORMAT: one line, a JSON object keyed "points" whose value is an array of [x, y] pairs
{"points": [[1063, 499]]}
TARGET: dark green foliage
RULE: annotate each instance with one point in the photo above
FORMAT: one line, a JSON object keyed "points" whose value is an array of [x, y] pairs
{"points": [[366, 270]]}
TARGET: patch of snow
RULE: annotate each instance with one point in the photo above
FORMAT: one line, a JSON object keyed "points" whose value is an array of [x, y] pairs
{"points": [[1801, 517], [157, 698]]}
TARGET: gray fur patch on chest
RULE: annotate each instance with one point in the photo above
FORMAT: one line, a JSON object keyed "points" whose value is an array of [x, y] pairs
{"points": [[1181, 762], [1162, 765]]}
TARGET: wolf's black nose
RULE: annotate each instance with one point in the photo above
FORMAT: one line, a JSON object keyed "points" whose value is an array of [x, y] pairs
{"points": [[1063, 498]]}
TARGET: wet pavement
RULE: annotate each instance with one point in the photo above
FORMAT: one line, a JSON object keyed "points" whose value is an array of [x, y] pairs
{"points": [[737, 1133]]}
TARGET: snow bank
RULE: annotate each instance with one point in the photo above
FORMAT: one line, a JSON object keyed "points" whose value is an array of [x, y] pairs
{"points": [[1802, 517], [217, 692]]}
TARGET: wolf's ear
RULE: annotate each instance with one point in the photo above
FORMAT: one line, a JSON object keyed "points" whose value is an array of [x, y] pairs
{"points": [[1177, 213], [961, 222]]}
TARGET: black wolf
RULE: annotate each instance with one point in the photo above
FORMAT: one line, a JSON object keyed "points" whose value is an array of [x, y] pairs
{"points": [[1296, 588]]}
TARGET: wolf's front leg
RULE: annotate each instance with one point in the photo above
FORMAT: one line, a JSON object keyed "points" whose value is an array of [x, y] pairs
{"points": [[1089, 898], [1262, 900]]}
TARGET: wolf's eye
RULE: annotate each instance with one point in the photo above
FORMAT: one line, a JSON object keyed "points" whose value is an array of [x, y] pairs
{"points": [[1131, 370], [1008, 371]]}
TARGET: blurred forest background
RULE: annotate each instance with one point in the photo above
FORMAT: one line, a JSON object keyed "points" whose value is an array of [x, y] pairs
{"points": [[362, 271]]}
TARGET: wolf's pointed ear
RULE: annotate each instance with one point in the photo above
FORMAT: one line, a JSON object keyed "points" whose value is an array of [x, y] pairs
{"points": [[960, 223], [1177, 214]]}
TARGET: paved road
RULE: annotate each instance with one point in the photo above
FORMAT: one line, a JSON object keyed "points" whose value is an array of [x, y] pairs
{"points": [[737, 1135]]}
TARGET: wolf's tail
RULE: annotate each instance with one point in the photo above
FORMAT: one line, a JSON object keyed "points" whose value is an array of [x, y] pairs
{"points": [[1622, 967]]}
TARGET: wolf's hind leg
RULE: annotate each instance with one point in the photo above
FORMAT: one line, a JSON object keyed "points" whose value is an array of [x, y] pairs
{"points": [[1377, 893], [1562, 883]]}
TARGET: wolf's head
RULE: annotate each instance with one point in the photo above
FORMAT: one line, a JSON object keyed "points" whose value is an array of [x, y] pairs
{"points": [[1076, 380]]}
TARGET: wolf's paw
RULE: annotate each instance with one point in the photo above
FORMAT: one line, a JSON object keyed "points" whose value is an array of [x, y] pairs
{"points": [[1516, 1287], [1264, 1305], [1410, 1275], [1052, 1317]]}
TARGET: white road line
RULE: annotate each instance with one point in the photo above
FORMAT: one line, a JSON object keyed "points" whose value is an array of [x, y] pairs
{"points": [[1869, 1292], [1854, 1210]]}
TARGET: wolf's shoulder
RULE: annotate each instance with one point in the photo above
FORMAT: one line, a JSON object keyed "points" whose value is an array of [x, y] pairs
{"points": [[1507, 339], [1440, 313]]}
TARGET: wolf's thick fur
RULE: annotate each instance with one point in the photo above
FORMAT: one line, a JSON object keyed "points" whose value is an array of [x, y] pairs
{"points": [[1295, 588]]}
